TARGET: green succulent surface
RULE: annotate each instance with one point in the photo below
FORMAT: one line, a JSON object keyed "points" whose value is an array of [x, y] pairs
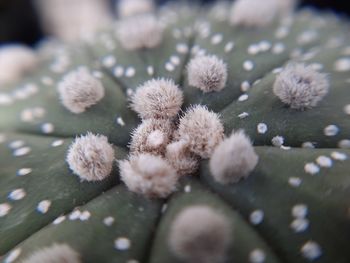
{"points": [[52, 205]]}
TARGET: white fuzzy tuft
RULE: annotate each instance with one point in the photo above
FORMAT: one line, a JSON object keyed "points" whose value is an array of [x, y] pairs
{"points": [[148, 175], [300, 86], [141, 31], [200, 234], [79, 90], [202, 129], [16, 61], [257, 13], [71, 20], [180, 157], [233, 159], [207, 73], [57, 253], [91, 157], [134, 7], [151, 136], [157, 98]]}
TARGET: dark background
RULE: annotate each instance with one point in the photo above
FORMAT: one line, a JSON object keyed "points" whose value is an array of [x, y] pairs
{"points": [[19, 22]]}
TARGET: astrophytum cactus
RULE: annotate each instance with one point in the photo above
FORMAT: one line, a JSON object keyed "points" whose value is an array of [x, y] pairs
{"points": [[180, 134]]}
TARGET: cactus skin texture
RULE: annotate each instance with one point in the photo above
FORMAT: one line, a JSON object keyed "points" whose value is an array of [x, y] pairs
{"points": [[293, 207]]}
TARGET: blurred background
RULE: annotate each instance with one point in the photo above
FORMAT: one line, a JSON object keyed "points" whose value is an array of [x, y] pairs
{"points": [[19, 19]]}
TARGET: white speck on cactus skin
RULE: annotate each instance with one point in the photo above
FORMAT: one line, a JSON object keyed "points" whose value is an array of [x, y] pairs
{"points": [[233, 159], [54, 253], [324, 161], [311, 250], [75, 215], [189, 242], [118, 71], [294, 181], [344, 144], [207, 73], [338, 156], [130, 72], [311, 168], [243, 97], [24, 171], [120, 121], [248, 65], [47, 128], [57, 143], [243, 115], [187, 189], [331, 130], [245, 86], [122, 243], [299, 211], [342, 65], [44, 206], [150, 70], [229, 47], [16, 144], [256, 217], [91, 157], [300, 86], [216, 39], [13, 255], [277, 141], [22, 151], [299, 225], [108, 221], [59, 220], [17, 194], [84, 216], [109, 61], [4, 209], [257, 256], [262, 128], [347, 109]]}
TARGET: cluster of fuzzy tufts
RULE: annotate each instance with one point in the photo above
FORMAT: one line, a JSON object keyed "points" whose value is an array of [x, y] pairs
{"points": [[16, 61], [148, 175], [300, 86], [200, 234], [57, 253], [256, 13], [141, 31], [91, 157], [233, 159], [202, 129], [158, 102], [207, 73], [157, 98], [80, 90], [128, 8]]}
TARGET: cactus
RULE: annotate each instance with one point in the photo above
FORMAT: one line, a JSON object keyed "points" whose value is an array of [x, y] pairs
{"points": [[180, 134]]}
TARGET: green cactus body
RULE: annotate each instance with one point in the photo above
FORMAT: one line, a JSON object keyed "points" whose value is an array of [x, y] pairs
{"points": [[294, 205]]}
